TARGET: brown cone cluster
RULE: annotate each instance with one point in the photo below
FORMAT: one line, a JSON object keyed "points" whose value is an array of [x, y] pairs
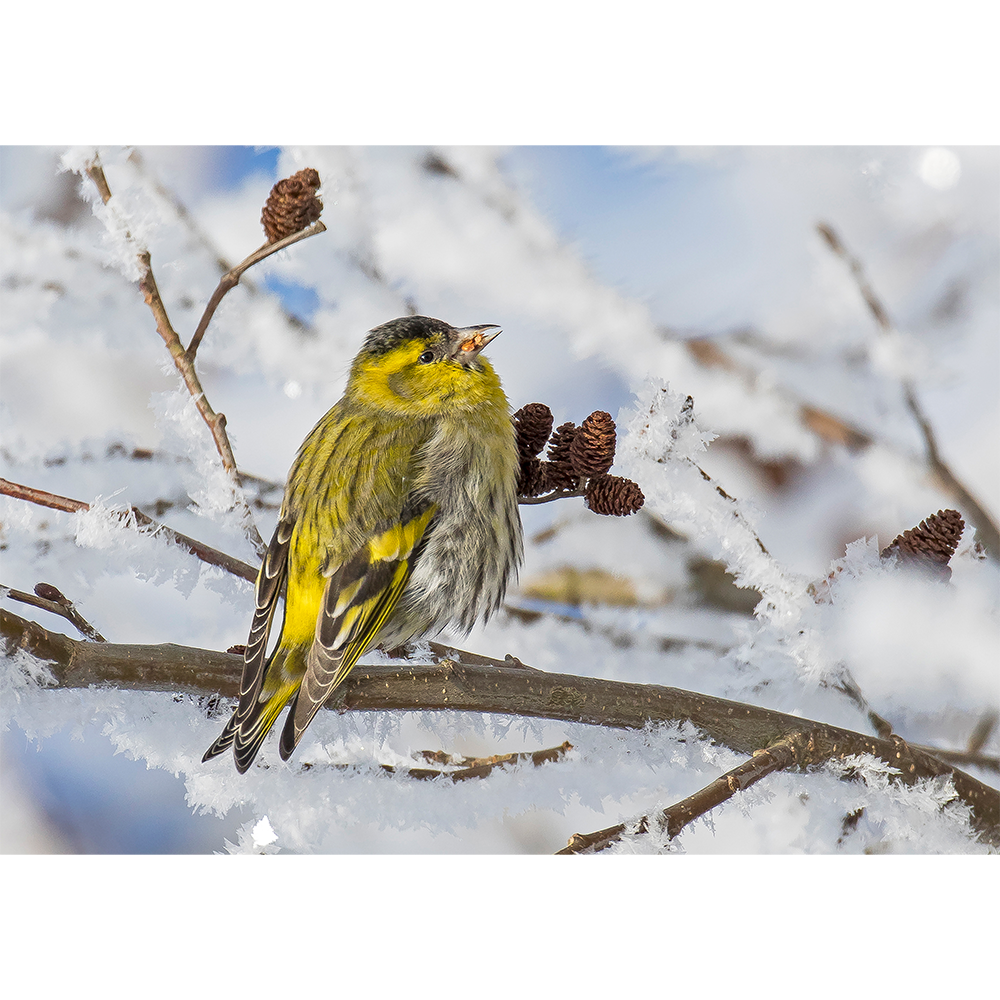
{"points": [[292, 205], [578, 457], [930, 545]]}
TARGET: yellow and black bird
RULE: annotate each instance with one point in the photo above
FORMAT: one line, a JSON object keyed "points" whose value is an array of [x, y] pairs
{"points": [[399, 517]]}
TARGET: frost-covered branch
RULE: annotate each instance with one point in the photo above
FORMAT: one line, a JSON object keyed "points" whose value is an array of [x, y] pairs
{"points": [[142, 522], [216, 421], [672, 820], [508, 690], [988, 530]]}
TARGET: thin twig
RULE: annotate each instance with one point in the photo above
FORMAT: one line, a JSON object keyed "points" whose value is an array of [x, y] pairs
{"points": [[232, 277], [42, 497], [216, 421], [481, 767], [180, 210], [60, 605], [987, 527], [472, 767], [143, 523], [847, 685], [673, 819], [857, 270], [185, 217], [549, 497], [450, 654]]}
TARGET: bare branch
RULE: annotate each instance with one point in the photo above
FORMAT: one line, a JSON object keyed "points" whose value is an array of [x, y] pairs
{"points": [[825, 425], [876, 308], [180, 210], [472, 767], [482, 767], [847, 685], [42, 497], [232, 278], [549, 497], [967, 757], [51, 599], [983, 730], [622, 638]]}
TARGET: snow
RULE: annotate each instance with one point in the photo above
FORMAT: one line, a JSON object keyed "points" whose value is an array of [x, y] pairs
{"points": [[597, 308]]}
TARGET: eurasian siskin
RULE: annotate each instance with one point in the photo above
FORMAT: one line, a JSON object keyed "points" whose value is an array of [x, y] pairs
{"points": [[399, 517]]}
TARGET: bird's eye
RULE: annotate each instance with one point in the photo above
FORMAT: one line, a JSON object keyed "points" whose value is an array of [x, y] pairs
{"points": [[426, 358]]}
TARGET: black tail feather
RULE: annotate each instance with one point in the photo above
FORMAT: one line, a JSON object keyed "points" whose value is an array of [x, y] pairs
{"points": [[224, 742]]}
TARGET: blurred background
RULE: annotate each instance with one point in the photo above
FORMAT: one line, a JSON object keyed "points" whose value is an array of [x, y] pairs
{"points": [[703, 267]]}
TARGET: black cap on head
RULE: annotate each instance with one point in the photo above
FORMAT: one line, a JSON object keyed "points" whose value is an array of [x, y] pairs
{"points": [[385, 337]]}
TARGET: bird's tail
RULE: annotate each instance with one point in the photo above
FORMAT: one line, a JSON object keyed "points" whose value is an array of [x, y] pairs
{"points": [[246, 733]]}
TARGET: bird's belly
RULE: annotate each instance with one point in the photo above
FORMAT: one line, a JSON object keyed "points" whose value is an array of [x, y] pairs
{"points": [[461, 574]]}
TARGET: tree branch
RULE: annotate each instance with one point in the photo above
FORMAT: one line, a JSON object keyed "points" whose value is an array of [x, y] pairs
{"points": [[505, 690], [481, 767], [673, 819]]}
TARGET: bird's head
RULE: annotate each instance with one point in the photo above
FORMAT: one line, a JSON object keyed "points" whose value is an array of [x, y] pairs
{"points": [[423, 367]]}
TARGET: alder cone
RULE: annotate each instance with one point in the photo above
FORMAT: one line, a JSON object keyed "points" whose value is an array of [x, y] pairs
{"points": [[613, 495], [292, 205], [562, 476], [532, 425], [533, 479], [592, 449], [931, 544]]}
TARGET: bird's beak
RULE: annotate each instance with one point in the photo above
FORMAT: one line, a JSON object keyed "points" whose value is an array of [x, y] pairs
{"points": [[468, 341]]}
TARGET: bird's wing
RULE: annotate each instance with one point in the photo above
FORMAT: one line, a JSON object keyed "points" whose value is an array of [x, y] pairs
{"points": [[270, 579], [360, 595], [272, 575]]}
